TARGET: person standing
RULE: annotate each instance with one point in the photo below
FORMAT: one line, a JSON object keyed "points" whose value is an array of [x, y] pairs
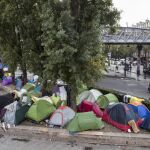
{"points": [[1, 69], [138, 72]]}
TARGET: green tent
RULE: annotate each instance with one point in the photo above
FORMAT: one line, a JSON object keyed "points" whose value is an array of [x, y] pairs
{"points": [[40, 110], [85, 121], [56, 101], [28, 87], [34, 93], [104, 100]]}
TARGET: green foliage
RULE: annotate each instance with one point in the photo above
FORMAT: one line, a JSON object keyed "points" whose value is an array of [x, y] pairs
{"points": [[56, 39], [71, 33]]}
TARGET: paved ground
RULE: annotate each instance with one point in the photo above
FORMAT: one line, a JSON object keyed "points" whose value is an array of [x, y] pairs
{"points": [[115, 80], [18, 143], [133, 87]]}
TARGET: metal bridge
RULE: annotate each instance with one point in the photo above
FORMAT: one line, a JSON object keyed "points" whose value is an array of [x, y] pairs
{"points": [[126, 35]]}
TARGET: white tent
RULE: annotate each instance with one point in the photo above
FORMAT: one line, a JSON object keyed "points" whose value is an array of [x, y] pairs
{"points": [[62, 116]]}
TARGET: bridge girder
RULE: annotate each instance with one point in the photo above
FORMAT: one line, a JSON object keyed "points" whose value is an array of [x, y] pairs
{"points": [[127, 35]]}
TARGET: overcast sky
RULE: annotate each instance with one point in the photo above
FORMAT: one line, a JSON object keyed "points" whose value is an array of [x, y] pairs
{"points": [[133, 11]]}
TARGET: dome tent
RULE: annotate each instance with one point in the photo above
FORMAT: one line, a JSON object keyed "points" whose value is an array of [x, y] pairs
{"points": [[119, 115], [62, 116], [141, 110], [85, 121], [15, 113], [40, 110], [104, 100], [87, 106], [90, 96]]}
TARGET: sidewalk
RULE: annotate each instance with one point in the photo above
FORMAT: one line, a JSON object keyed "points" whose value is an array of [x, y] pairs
{"points": [[129, 75], [84, 138]]}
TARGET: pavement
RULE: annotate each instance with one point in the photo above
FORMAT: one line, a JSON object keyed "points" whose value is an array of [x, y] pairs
{"points": [[115, 80]]}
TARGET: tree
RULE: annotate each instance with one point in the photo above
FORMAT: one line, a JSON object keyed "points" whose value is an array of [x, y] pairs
{"points": [[71, 39], [20, 31]]}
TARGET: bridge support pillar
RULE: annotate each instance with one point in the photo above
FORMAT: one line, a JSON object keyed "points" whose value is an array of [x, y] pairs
{"points": [[139, 48]]}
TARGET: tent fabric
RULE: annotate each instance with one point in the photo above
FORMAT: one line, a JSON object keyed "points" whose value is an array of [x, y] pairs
{"points": [[28, 87], [35, 99], [6, 80], [6, 100], [112, 98], [135, 103], [85, 121], [87, 106], [119, 115], [104, 100], [90, 96], [20, 114], [40, 110], [141, 110], [146, 123], [56, 101], [9, 116], [136, 99], [96, 93], [62, 116]]}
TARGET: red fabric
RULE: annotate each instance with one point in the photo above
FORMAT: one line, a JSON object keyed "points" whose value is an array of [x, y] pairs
{"points": [[85, 106], [97, 110], [118, 125]]}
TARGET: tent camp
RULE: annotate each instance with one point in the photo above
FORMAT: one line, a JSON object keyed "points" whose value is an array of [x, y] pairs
{"points": [[85, 121], [15, 113], [87, 106], [62, 116], [40, 110], [119, 115], [104, 100], [90, 96]]}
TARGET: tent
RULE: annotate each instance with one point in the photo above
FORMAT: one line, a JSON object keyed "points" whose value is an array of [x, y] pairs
{"points": [[146, 123], [56, 100], [40, 110], [6, 100], [85, 121], [104, 100], [119, 115], [7, 80], [87, 106], [28, 87], [35, 99], [15, 113], [136, 99], [141, 110], [90, 96], [62, 116]]}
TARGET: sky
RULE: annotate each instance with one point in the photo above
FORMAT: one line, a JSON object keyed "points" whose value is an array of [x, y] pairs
{"points": [[133, 11]]}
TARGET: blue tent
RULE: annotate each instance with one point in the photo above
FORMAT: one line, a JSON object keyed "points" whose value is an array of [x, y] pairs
{"points": [[141, 110], [146, 123]]}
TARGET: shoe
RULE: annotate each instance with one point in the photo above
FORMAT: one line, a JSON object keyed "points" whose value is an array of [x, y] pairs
{"points": [[3, 126], [134, 126]]}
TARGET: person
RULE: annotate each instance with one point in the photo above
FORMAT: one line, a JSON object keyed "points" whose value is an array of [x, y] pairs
{"points": [[138, 73], [117, 68], [1, 69], [144, 70]]}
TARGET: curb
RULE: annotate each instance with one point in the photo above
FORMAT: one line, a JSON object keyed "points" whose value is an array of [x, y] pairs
{"points": [[87, 137]]}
